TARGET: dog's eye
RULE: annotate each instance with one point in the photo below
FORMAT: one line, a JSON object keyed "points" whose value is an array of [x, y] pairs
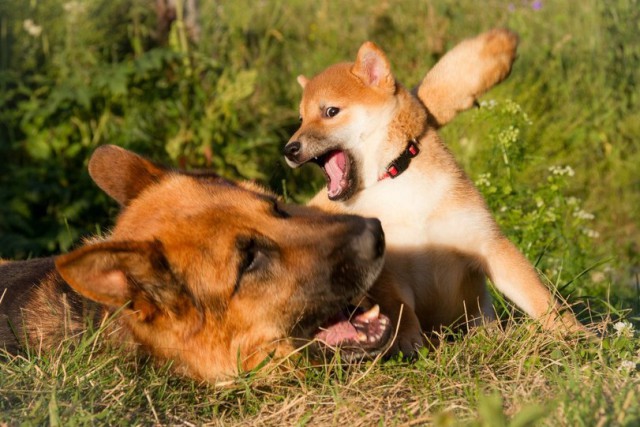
{"points": [[256, 255], [300, 118], [331, 112], [253, 260], [250, 255]]}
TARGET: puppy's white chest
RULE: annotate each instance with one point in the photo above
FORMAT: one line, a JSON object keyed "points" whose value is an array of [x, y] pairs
{"points": [[405, 206]]}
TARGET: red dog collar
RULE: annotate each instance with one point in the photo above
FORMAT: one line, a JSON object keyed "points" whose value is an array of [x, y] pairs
{"points": [[401, 163]]}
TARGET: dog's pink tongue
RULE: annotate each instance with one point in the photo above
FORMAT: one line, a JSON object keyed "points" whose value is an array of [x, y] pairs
{"points": [[335, 167]]}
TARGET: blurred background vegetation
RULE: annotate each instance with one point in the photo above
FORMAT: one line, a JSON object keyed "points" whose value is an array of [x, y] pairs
{"points": [[555, 148]]}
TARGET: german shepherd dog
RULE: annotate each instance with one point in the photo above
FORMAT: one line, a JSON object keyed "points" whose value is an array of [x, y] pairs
{"points": [[379, 148], [201, 271]]}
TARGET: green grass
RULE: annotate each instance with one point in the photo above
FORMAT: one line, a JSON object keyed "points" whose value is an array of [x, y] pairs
{"points": [[486, 378], [554, 149]]}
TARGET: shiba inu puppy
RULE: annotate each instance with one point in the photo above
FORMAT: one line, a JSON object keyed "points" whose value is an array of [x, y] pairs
{"points": [[203, 272], [382, 157]]}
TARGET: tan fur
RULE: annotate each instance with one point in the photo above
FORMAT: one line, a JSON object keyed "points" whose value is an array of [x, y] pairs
{"points": [[441, 238], [174, 261], [466, 72]]}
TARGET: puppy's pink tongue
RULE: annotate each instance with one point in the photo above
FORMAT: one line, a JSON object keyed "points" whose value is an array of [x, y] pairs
{"points": [[335, 166]]}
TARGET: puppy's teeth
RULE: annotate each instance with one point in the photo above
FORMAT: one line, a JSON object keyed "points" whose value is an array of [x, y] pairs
{"points": [[372, 313], [372, 339], [384, 321], [362, 337]]}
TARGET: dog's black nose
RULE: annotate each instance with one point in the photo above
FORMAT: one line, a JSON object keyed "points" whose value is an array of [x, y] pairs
{"points": [[292, 150], [375, 226]]}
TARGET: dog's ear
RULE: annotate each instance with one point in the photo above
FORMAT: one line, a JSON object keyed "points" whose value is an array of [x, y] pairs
{"points": [[114, 273], [373, 68], [302, 81], [466, 72], [121, 174]]}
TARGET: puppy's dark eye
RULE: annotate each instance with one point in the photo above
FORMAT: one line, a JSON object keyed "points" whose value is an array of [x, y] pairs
{"points": [[300, 118], [331, 112]]}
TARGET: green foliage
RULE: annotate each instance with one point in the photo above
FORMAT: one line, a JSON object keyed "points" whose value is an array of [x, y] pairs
{"points": [[553, 149], [65, 91]]}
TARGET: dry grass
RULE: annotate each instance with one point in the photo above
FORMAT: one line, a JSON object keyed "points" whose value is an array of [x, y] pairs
{"points": [[492, 376]]}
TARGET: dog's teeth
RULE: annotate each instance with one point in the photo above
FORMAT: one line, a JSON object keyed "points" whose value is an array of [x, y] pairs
{"points": [[372, 313], [384, 321], [362, 337], [372, 339]]}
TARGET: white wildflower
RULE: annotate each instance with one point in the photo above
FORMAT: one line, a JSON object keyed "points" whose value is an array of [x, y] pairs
{"points": [[572, 201], [73, 8], [512, 107], [483, 180], [509, 135], [31, 28], [624, 329], [490, 103], [593, 234], [550, 215], [582, 214], [627, 366], [561, 171]]}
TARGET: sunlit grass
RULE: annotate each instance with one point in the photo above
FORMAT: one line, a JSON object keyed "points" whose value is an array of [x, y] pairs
{"points": [[492, 376]]}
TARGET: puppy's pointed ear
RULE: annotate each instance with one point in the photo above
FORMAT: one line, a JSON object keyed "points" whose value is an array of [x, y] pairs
{"points": [[302, 81], [373, 68], [121, 174], [466, 72], [114, 273]]}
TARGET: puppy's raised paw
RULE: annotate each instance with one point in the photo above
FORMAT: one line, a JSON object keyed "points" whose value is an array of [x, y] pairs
{"points": [[467, 71]]}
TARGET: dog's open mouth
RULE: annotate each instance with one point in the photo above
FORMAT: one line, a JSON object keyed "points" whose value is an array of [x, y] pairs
{"points": [[356, 332], [337, 167]]}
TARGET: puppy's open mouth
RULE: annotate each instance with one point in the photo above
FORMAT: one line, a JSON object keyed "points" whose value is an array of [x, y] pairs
{"points": [[338, 170], [356, 332]]}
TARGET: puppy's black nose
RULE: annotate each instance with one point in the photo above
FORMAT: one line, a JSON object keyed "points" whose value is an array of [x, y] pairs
{"points": [[292, 150]]}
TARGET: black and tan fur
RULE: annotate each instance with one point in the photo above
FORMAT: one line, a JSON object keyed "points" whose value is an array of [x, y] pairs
{"points": [[209, 274]]}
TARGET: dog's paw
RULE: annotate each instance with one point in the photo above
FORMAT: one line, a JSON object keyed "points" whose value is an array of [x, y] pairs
{"points": [[407, 342], [467, 71], [497, 56], [410, 344]]}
